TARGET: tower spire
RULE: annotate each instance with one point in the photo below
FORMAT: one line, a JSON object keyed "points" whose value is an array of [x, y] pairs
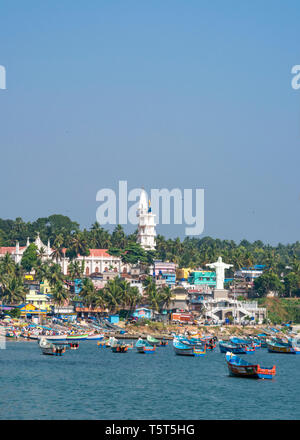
{"points": [[146, 228]]}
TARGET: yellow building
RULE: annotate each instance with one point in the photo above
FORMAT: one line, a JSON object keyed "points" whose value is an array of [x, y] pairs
{"points": [[183, 273], [45, 287], [37, 299], [30, 309]]}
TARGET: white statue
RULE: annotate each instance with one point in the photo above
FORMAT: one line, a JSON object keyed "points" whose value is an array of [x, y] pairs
{"points": [[220, 267]]}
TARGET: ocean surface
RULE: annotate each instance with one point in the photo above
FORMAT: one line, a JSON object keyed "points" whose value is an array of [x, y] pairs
{"points": [[94, 383]]}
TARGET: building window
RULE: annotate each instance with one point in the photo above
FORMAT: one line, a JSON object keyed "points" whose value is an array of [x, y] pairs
{"points": [[87, 271]]}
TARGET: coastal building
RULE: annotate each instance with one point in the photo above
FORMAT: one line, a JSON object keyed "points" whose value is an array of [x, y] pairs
{"points": [[98, 260], [162, 267], [142, 313], [249, 274], [219, 310], [146, 228], [202, 278], [183, 273], [179, 301]]}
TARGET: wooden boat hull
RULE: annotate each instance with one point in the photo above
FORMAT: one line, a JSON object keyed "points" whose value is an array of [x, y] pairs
{"points": [[182, 349], [152, 341], [145, 349], [238, 367], [224, 348], [50, 351], [95, 337], [76, 337], [120, 349], [55, 337], [274, 348]]}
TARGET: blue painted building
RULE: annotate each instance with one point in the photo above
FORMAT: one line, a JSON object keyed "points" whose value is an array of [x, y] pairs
{"points": [[142, 313]]}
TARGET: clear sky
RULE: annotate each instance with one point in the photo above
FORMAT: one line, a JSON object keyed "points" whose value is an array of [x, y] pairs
{"points": [[161, 93]]}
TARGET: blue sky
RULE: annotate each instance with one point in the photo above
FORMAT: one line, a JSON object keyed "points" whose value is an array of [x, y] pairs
{"points": [[163, 94]]}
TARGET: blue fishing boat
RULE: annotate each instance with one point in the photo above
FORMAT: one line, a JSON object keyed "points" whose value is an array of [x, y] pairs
{"points": [[248, 347], [275, 347], [233, 348], [144, 347], [184, 349], [241, 368]]}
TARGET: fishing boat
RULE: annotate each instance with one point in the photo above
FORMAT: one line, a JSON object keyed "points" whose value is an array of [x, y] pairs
{"points": [[152, 340], [95, 337], [119, 348], [73, 345], [242, 343], [144, 347], [163, 343], [233, 348], [241, 368], [183, 349], [12, 334], [55, 337], [77, 337], [51, 348], [275, 347]]}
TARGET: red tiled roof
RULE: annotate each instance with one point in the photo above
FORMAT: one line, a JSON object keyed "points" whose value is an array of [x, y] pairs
{"points": [[99, 253], [95, 252], [9, 249]]}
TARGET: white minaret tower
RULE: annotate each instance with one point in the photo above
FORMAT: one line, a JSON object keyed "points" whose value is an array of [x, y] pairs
{"points": [[146, 228]]}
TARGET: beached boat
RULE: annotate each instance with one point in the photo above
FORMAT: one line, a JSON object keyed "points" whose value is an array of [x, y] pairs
{"points": [[183, 349], [54, 337], [275, 347], [152, 340], [77, 337], [50, 348], [95, 337], [241, 368]]}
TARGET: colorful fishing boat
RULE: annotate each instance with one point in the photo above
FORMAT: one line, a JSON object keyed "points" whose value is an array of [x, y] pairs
{"points": [[50, 348], [275, 347], [73, 345], [152, 340], [163, 343], [77, 337], [119, 348], [242, 343], [233, 348], [184, 349], [241, 368], [95, 337], [144, 347], [55, 337]]}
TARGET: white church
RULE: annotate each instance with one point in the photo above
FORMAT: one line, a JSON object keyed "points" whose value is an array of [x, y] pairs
{"points": [[99, 260]]}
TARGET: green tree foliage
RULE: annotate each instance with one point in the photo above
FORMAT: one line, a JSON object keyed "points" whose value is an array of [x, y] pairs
{"points": [[29, 258], [268, 282]]}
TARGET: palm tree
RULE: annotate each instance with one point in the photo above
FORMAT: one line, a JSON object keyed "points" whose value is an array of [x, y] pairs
{"points": [[76, 269], [87, 291], [7, 265], [113, 295], [166, 296], [55, 275], [59, 293], [58, 249], [12, 289]]}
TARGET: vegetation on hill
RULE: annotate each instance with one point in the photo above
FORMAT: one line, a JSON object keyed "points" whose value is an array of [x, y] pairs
{"points": [[281, 309]]}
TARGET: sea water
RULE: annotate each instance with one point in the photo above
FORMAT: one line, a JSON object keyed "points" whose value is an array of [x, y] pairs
{"points": [[94, 383]]}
